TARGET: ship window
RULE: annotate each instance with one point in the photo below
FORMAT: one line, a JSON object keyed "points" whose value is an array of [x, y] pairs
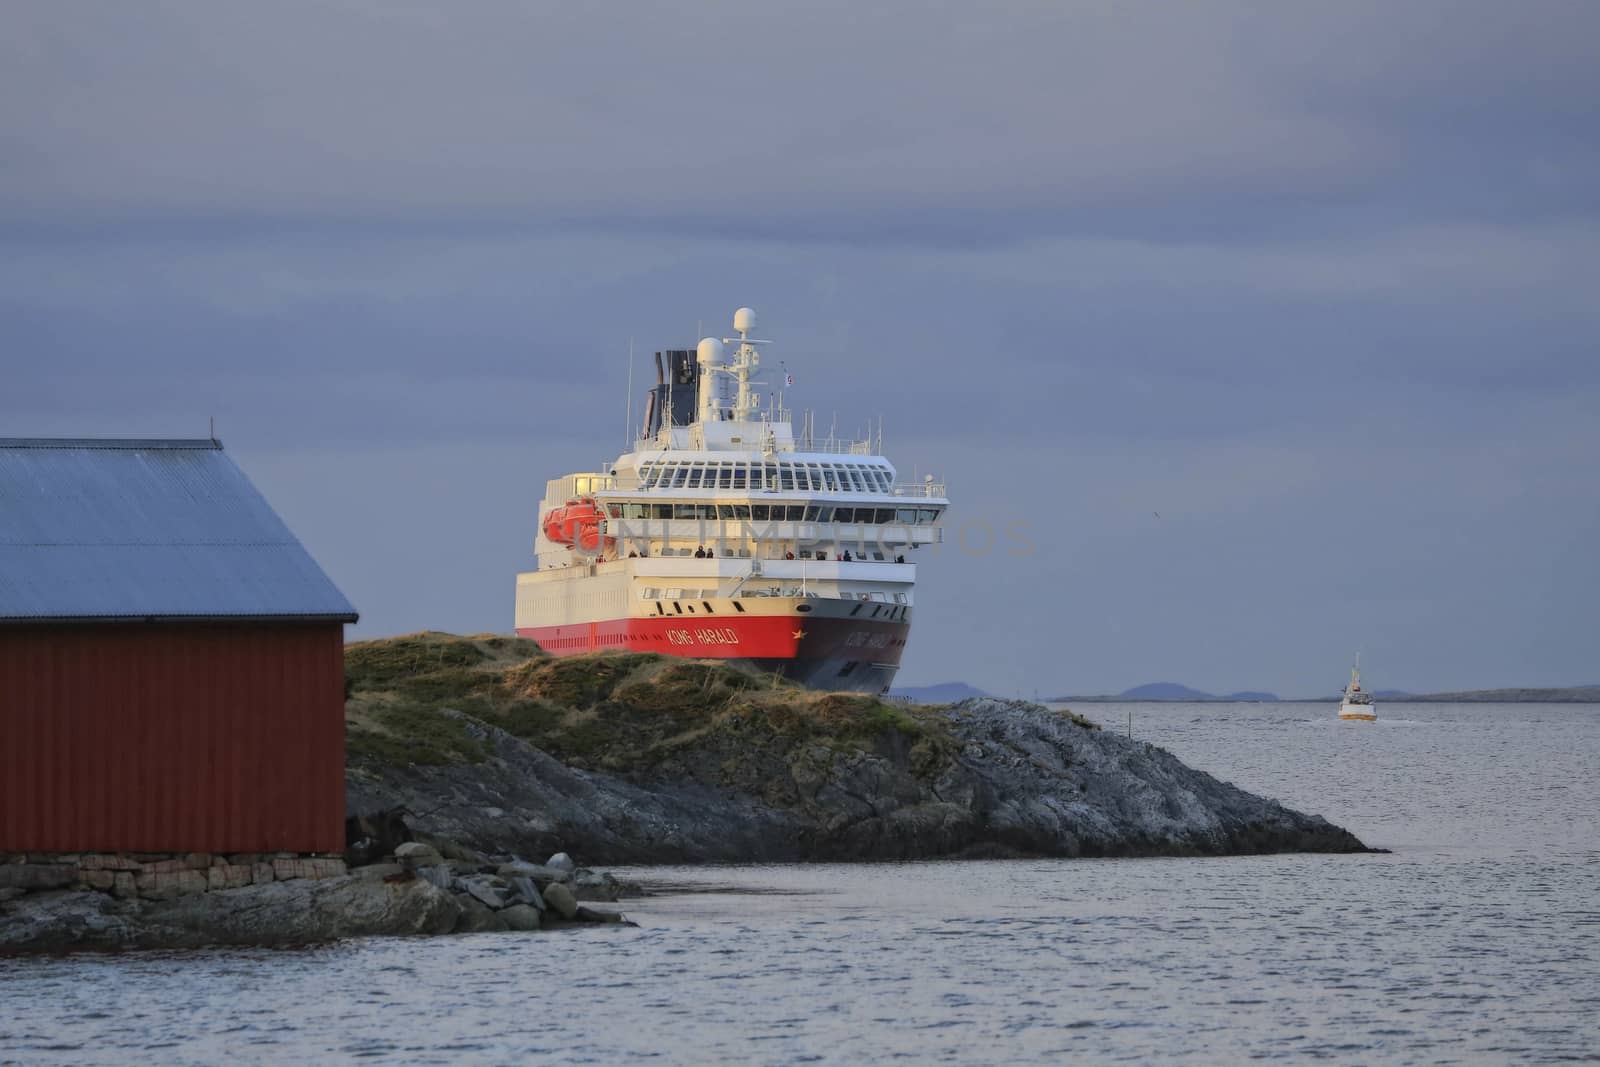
{"points": [[738, 606], [825, 513], [844, 514], [707, 605], [758, 512], [661, 511], [844, 672], [708, 511], [811, 513], [906, 515], [637, 511], [683, 511], [786, 477], [693, 481], [900, 598], [797, 512], [742, 512], [724, 511], [724, 476], [886, 514], [738, 476]]}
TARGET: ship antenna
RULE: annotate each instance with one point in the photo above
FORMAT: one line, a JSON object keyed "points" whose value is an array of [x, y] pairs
{"points": [[627, 438]]}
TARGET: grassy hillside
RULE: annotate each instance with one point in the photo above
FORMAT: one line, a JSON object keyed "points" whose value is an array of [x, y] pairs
{"points": [[619, 712]]}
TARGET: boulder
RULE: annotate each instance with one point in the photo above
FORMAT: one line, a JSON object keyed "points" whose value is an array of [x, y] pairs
{"points": [[537, 871], [590, 915], [437, 875], [561, 862], [481, 890], [595, 885], [476, 917], [377, 872], [561, 900], [416, 854], [524, 891], [521, 917]]}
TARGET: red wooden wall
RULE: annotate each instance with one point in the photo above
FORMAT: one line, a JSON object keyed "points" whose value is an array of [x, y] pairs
{"points": [[204, 737]]}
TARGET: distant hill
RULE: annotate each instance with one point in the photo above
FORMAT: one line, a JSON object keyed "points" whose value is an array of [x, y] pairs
{"points": [[941, 693], [1164, 691], [1578, 694]]}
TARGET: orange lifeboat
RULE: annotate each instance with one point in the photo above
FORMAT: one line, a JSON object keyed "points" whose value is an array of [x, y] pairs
{"points": [[577, 523]]}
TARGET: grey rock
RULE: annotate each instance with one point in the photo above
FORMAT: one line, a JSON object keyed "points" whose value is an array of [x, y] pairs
{"points": [[590, 915], [437, 875], [483, 892], [1012, 778], [561, 862], [524, 891], [300, 911], [416, 854], [521, 917], [10, 893], [537, 871], [561, 900], [377, 872], [477, 917]]}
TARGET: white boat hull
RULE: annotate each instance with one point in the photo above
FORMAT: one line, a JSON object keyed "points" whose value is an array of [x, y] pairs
{"points": [[1358, 712]]}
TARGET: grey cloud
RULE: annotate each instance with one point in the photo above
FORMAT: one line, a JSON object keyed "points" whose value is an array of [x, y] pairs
{"points": [[890, 121]]}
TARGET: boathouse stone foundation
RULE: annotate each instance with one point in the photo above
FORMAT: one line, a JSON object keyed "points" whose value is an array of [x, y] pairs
{"points": [[157, 876]]}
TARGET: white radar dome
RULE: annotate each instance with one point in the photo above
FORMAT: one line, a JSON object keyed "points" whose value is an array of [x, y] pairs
{"points": [[744, 320], [709, 351]]}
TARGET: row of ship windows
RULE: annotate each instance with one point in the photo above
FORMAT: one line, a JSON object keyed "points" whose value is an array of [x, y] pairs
{"points": [[774, 513], [809, 477]]}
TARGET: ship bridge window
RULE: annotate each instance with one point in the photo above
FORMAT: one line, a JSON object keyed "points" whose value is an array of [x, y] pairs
{"points": [[661, 511], [758, 512], [693, 481], [927, 516], [724, 476], [679, 476], [739, 476]]}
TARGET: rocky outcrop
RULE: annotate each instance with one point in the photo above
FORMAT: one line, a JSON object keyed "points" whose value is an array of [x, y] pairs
{"points": [[54, 903], [275, 913], [983, 777]]}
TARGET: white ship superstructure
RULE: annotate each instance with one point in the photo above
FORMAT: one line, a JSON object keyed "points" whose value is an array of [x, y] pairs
{"points": [[721, 533]]}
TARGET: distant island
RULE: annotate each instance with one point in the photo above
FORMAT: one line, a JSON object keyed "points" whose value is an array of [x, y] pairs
{"points": [[1172, 691]]}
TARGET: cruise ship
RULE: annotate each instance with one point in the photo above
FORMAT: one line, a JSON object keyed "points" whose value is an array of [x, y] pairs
{"points": [[723, 534]]}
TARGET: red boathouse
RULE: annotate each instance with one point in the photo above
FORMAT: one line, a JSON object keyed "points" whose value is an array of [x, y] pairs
{"points": [[171, 658]]}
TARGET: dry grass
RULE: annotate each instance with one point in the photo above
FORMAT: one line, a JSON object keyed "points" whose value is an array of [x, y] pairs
{"points": [[619, 711]]}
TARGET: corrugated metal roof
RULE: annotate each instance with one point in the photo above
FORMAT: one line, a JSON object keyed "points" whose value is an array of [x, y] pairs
{"points": [[116, 529]]}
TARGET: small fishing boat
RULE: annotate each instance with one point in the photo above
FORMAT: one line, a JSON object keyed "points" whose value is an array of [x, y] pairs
{"points": [[1357, 703]]}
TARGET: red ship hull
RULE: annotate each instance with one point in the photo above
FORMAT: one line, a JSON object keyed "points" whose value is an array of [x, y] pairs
{"points": [[823, 653]]}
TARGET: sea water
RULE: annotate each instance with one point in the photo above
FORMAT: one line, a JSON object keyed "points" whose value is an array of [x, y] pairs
{"points": [[1476, 939]]}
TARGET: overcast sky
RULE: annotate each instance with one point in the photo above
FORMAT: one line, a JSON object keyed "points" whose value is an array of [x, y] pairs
{"points": [[1278, 324]]}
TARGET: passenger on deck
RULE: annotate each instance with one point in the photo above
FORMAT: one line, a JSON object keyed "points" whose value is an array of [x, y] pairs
{"points": [[788, 555], [700, 553], [711, 553]]}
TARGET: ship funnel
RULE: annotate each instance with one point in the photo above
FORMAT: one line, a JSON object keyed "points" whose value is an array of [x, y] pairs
{"points": [[709, 355]]}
